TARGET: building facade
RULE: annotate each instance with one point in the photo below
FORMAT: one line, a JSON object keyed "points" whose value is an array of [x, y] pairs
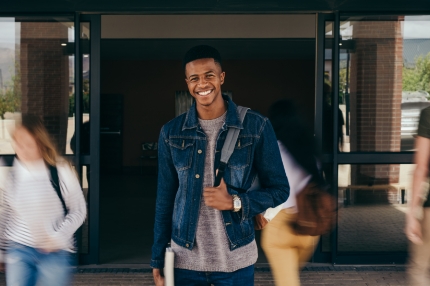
{"points": [[106, 76]]}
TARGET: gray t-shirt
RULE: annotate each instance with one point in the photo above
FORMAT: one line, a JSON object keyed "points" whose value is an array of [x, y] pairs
{"points": [[211, 251]]}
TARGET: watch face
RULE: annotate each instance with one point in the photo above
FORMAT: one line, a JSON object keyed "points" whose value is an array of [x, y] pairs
{"points": [[237, 204]]}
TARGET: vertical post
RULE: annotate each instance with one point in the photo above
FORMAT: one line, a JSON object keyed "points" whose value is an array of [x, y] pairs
{"points": [[348, 58], [94, 205], [319, 80], [318, 120], [335, 108], [78, 93]]}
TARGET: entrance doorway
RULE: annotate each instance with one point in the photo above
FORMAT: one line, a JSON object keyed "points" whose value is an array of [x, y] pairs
{"points": [[144, 73]]}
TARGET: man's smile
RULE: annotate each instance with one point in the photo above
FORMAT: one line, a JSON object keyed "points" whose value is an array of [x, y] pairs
{"points": [[204, 93]]}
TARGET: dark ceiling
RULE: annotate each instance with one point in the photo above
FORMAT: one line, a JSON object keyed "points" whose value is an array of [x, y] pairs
{"points": [[139, 49], [213, 6]]}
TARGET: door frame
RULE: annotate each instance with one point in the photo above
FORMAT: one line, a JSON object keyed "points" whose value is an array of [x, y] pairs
{"points": [[336, 157], [92, 159]]}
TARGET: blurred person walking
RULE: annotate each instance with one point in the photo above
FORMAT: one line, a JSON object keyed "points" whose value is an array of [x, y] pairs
{"points": [[286, 251], [418, 216], [43, 206]]}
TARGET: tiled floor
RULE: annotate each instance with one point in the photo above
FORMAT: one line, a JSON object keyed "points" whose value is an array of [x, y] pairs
{"points": [[324, 276], [368, 228]]}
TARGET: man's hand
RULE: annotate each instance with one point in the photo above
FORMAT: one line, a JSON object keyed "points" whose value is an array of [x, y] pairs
{"points": [[158, 277], [413, 228], [218, 197]]}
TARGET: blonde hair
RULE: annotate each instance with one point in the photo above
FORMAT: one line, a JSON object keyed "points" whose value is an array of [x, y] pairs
{"points": [[33, 124]]}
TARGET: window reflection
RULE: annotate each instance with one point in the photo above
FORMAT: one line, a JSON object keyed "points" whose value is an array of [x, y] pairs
{"points": [[383, 81], [372, 204], [327, 142], [36, 76]]}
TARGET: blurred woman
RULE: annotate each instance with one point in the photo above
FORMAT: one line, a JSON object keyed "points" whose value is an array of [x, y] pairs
{"points": [[37, 223], [286, 251], [418, 215]]}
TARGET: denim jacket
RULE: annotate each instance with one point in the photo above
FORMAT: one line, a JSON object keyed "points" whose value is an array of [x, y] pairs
{"points": [[181, 159]]}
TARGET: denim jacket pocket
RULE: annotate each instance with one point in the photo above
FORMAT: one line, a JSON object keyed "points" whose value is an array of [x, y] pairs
{"points": [[241, 156], [182, 152], [246, 225]]}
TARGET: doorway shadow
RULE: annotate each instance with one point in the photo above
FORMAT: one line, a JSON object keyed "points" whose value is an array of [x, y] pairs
{"points": [[127, 212]]}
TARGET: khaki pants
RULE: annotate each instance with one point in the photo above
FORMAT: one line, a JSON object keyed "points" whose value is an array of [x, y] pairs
{"points": [[419, 256], [287, 252]]}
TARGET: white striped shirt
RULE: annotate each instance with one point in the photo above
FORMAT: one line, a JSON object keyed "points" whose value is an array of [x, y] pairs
{"points": [[31, 211]]}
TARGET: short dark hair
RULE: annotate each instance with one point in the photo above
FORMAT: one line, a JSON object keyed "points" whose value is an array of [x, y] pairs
{"points": [[201, 52]]}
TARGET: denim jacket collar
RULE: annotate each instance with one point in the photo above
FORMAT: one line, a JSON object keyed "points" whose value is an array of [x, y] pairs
{"points": [[232, 118]]}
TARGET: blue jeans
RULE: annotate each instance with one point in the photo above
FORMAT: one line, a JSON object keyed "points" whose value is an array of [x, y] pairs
{"points": [[26, 266], [242, 277]]}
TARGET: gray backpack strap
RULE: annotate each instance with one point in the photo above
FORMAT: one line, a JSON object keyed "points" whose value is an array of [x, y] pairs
{"points": [[228, 147]]}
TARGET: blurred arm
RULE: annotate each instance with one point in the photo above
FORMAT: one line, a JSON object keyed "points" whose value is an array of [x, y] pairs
{"points": [[422, 158], [422, 161], [75, 203], [5, 212]]}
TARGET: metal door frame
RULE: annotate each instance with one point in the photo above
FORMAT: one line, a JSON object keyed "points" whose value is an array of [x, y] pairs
{"points": [[335, 157], [93, 159]]}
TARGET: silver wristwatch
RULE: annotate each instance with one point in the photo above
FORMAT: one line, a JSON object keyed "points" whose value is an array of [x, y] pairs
{"points": [[237, 203]]}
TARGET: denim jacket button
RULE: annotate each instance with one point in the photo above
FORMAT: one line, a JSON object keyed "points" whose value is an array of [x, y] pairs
{"points": [[199, 151], [197, 176], [187, 245]]}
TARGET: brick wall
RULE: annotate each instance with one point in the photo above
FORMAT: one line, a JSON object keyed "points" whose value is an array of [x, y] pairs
{"points": [[45, 76], [376, 94]]}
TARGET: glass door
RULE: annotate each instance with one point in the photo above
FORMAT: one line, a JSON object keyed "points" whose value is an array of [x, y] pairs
{"points": [[324, 116], [87, 106], [40, 74], [371, 88]]}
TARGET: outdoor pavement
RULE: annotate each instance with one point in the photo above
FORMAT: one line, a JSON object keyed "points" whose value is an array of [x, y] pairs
{"points": [[323, 275]]}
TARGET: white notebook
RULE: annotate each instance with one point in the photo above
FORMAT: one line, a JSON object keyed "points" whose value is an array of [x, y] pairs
{"points": [[169, 267]]}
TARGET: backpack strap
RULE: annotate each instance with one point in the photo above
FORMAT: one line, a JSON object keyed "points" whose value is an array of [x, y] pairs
{"points": [[7, 160], [55, 181], [228, 147]]}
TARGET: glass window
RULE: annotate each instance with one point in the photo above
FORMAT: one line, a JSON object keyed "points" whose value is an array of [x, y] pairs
{"points": [[327, 170], [36, 76], [372, 206], [384, 81], [85, 48], [327, 136]]}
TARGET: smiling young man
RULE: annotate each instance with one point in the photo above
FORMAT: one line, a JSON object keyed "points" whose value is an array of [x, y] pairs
{"points": [[210, 228]]}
